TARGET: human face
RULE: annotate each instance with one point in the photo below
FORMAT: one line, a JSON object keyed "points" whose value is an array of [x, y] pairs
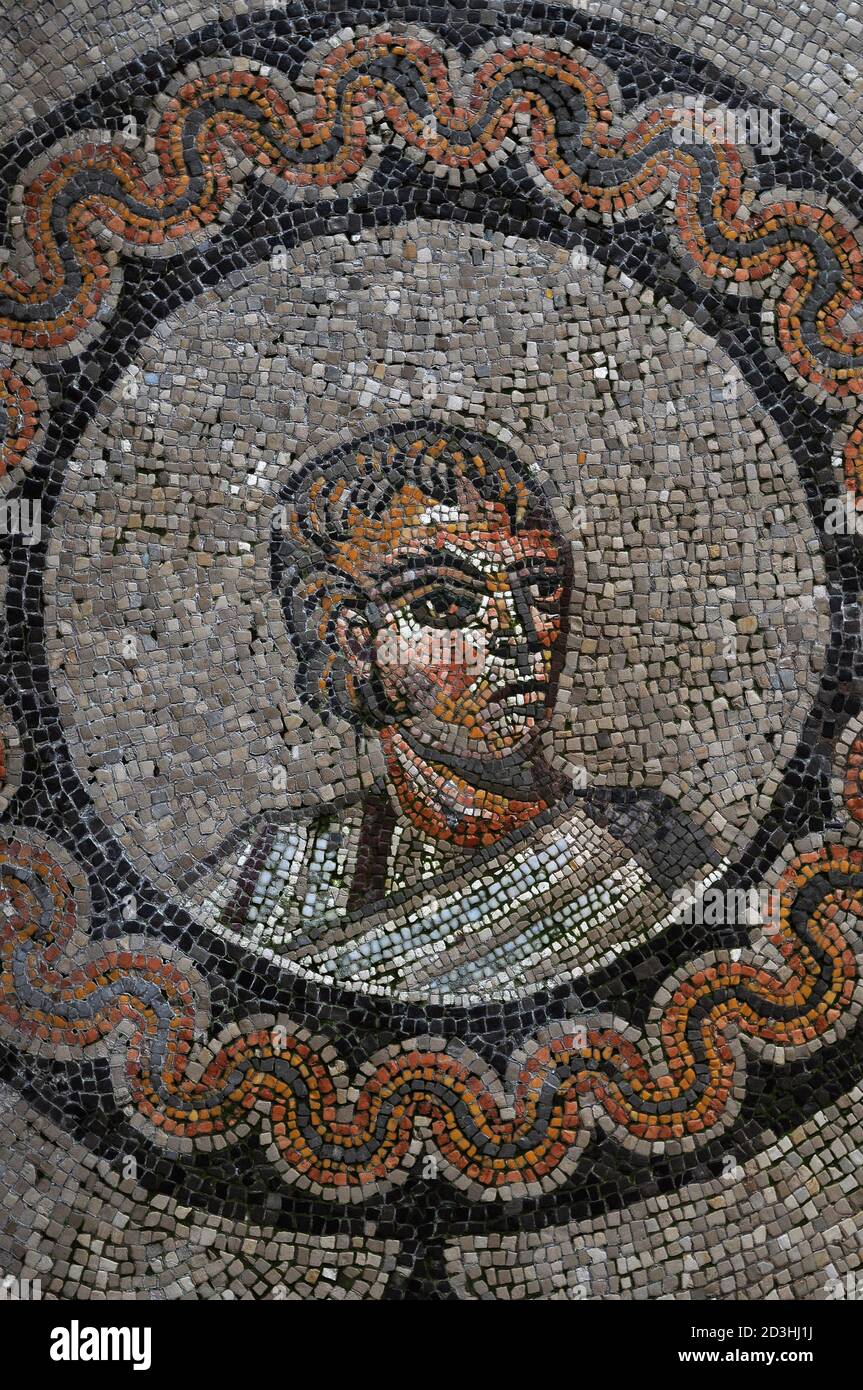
{"points": [[468, 617]]}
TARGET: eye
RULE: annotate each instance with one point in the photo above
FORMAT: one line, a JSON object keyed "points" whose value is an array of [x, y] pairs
{"points": [[441, 607]]}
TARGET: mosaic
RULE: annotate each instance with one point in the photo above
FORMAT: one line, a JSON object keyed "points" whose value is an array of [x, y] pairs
{"points": [[431, 861]]}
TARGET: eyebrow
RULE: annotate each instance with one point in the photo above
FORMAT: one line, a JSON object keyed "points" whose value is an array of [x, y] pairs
{"points": [[412, 563]]}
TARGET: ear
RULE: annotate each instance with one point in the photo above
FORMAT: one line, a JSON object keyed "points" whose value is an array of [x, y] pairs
{"points": [[355, 638]]}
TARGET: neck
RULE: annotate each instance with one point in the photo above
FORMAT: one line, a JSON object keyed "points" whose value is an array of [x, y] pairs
{"points": [[444, 806]]}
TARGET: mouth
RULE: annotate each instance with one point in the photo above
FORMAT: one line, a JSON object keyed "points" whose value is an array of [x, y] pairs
{"points": [[527, 691]]}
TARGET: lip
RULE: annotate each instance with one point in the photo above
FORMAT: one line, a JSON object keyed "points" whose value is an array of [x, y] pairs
{"points": [[530, 690]]}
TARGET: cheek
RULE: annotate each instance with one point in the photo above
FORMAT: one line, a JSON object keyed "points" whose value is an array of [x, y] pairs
{"points": [[461, 665], [428, 664], [392, 658]]}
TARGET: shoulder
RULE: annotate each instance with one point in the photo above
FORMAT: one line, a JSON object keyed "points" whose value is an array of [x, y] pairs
{"points": [[284, 876]]}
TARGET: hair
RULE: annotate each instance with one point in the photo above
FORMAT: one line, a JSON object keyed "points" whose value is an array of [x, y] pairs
{"points": [[327, 498]]}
